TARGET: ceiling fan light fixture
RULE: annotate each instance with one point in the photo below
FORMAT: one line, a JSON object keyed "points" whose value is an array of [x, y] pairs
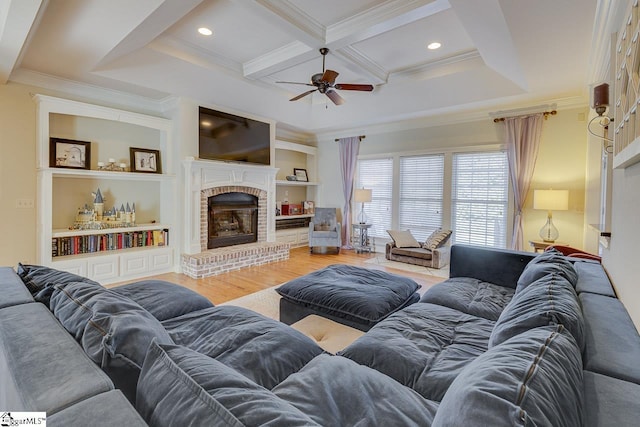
{"points": [[205, 31], [434, 45]]}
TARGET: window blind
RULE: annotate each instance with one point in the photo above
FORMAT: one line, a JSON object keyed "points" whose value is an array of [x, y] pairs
{"points": [[480, 198], [421, 190], [377, 174]]}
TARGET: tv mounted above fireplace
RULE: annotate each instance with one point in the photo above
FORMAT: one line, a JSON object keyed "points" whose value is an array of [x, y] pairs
{"points": [[228, 137]]}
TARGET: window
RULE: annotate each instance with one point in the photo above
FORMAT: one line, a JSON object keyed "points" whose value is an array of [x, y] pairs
{"points": [[480, 198], [377, 174], [421, 190]]}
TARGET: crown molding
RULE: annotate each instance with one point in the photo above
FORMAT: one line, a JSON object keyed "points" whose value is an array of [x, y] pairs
{"points": [[295, 16], [191, 53], [278, 59], [441, 67], [381, 18], [375, 72], [88, 91], [452, 116]]}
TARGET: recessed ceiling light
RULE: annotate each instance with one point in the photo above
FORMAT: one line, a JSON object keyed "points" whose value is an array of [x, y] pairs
{"points": [[205, 31], [205, 123], [434, 45]]}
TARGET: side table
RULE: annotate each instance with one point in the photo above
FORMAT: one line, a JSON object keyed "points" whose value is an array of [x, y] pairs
{"points": [[540, 246], [360, 237]]}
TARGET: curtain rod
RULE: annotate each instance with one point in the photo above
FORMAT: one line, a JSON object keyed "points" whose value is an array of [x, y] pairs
{"points": [[546, 116], [361, 138]]}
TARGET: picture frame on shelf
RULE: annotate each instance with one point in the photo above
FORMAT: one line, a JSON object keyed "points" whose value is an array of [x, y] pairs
{"points": [[145, 160], [301, 174], [70, 154], [308, 207]]}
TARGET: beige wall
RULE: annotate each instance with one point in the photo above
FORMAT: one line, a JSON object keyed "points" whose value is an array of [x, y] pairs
{"points": [[17, 174], [561, 165]]}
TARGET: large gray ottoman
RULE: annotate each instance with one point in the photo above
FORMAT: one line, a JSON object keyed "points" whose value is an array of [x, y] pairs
{"points": [[354, 296]]}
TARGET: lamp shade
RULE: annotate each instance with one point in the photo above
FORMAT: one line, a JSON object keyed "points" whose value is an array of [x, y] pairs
{"points": [[362, 195], [551, 200]]}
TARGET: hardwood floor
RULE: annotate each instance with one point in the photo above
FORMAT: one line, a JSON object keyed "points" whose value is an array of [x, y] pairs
{"points": [[228, 286]]}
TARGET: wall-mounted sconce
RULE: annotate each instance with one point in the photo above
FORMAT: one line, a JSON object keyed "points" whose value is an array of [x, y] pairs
{"points": [[600, 104]]}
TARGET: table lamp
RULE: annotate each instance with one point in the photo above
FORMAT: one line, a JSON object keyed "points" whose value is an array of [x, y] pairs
{"points": [[362, 195], [550, 200]]}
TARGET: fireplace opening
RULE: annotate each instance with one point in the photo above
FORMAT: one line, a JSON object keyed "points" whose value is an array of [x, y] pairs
{"points": [[232, 219]]}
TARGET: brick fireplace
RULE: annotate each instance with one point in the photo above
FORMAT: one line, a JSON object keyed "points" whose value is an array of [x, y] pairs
{"points": [[206, 179]]}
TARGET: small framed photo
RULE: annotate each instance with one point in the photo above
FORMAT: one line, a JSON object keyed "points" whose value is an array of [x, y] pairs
{"points": [[144, 160], [301, 175], [67, 153], [308, 207]]}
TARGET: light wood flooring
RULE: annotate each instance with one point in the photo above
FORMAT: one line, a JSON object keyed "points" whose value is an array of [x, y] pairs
{"points": [[228, 286]]}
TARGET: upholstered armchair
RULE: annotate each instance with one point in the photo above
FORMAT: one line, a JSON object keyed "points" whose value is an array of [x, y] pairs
{"points": [[324, 229]]}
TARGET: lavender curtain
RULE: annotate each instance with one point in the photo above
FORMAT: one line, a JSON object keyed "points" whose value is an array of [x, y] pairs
{"points": [[349, 148], [522, 136]]}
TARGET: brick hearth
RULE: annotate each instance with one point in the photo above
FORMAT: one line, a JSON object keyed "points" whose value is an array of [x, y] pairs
{"points": [[222, 260]]}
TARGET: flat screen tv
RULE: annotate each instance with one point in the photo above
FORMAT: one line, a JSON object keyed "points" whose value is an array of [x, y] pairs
{"points": [[224, 136]]}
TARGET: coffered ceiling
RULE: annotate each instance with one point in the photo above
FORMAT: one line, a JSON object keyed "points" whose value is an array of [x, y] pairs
{"points": [[494, 53]]}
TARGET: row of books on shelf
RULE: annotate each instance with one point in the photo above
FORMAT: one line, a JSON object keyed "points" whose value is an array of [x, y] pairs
{"points": [[76, 245]]}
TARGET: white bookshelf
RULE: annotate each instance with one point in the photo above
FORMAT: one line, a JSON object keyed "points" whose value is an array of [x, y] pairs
{"points": [[62, 191]]}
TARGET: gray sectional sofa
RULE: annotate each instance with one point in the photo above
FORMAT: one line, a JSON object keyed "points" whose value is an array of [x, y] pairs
{"points": [[510, 339]]}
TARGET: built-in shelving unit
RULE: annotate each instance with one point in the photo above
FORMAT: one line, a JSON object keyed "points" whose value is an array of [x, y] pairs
{"points": [[290, 155], [626, 148], [110, 254]]}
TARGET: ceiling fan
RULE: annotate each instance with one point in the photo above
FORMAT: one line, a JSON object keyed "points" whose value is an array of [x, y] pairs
{"points": [[325, 82]]}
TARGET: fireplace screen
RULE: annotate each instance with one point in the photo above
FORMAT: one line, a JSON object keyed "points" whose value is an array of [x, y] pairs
{"points": [[232, 219]]}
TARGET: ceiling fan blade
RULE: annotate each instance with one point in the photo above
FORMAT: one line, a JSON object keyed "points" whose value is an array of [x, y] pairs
{"points": [[349, 86], [333, 95], [329, 76], [302, 95], [297, 83]]}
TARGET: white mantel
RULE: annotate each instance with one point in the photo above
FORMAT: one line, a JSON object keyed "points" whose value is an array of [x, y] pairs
{"points": [[204, 174]]}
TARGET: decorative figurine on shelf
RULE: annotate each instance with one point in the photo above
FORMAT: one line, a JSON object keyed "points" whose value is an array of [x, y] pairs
{"points": [[111, 166], [97, 218]]}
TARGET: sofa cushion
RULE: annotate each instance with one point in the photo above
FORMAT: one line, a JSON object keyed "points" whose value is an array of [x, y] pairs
{"points": [[104, 410], [534, 378], [550, 300], [593, 279], [13, 289], [610, 401], [40, 280], [547, 263], [114, 331], [612, 343], [471, 296], [403, 239], [424, 346], [335, 391], [437, 239], [179, 386], [413, 252], [163, 300], [264, 350], [354, 293], [42, 368]]}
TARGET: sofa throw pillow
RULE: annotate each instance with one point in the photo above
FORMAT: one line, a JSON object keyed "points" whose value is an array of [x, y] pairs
{"points": [[113, 330], [403, 239], [179, 386], [40, 280], [548, 262], [164, 300], [437, 239], [336, 391], [532, 379], [550, 300]]}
